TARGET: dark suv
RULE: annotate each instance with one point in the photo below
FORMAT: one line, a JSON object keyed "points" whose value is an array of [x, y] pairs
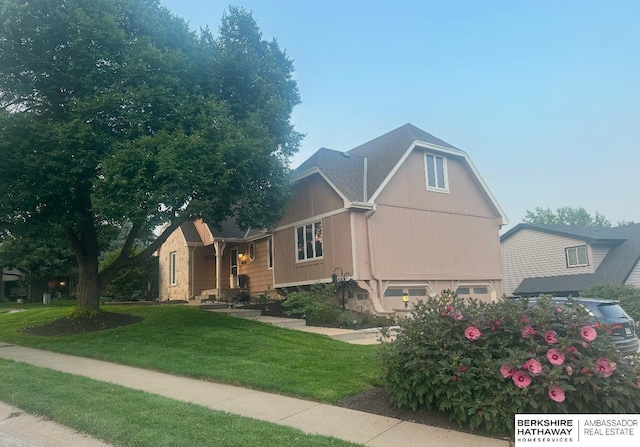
{"points": [[609, 312]]}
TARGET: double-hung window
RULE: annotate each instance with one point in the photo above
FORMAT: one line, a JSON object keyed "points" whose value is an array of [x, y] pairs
{"points": [[577, 256], [436, 169], [309, 241]]}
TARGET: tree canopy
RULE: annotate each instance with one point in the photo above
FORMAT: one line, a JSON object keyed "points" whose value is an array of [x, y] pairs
{"points": [[115, 114], [565, 215]]}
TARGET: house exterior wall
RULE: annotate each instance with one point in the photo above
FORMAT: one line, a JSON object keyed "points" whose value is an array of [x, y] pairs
{"points": [[417, 236], [204, 269], [529, 253], [634, 276], [336, 235], [597, 253], [260, 275], [180, 291], [407, 189], [311, 196]]}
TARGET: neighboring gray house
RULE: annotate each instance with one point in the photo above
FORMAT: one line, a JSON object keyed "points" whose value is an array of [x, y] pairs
{"points": [[564, 259]]}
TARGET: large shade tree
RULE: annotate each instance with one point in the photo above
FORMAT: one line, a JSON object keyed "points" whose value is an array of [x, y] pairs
{"points": [[115, 114]]}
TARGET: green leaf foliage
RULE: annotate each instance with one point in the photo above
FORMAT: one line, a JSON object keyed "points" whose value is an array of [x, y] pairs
{"points": [[466, 358], [114, 113], [565, 215]]}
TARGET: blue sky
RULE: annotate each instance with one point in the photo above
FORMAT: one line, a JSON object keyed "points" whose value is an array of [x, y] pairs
{"points": [[544, 96]]}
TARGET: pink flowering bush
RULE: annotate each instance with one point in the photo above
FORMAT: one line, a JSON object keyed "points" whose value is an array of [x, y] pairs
{"points": [[482, 363]]}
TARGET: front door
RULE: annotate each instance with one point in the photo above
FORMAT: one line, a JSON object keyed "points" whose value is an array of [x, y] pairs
{"points": [[233, 270]]}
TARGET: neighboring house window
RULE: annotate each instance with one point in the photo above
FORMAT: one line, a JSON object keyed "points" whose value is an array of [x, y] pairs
{"points": [[270, 253], [252, 251], [463, 291], [436, 168], [577, 256], [309, 241], [173, 280]]}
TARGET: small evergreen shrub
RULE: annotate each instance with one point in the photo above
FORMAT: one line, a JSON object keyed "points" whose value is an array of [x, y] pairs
{"points": [[313, 305], [482, 363]]}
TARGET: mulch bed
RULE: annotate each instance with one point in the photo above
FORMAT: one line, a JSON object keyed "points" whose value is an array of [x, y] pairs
{"points": [[82, 325]]}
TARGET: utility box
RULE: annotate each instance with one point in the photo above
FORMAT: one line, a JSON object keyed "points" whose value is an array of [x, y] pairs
{"points": [[46, 298]]}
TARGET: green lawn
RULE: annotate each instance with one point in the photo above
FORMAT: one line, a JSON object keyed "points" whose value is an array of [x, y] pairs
{"points": [[125, 417], [195, 343]]}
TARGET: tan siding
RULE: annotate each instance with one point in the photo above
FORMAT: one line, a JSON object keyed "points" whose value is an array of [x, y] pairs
{"points": [[407, 188], [204, 275], [312, 196], [203, 231], [529, 253], [362, 270], [634, 277], [336, 253], [597, 253], [180, 291], [260, 276], [416, 244]]}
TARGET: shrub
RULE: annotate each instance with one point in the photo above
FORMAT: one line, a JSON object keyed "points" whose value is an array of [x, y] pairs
{"points": [[313, 305], [132, 283], [483, 363], [629, 296]]}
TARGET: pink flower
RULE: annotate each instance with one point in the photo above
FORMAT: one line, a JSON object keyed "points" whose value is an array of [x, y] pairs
{"points": [[472, 333], [506, 371], [569, 370], [528, 332], [555, 357], [443, 314], [454, 378], [551, 337], [533, 366], [457, 316], [556, 393], [521, 379], [524, 319], [588, 333], [558, 310], [638, 383], [585, 371], [604, 367], [463, 368], [572, 350]]}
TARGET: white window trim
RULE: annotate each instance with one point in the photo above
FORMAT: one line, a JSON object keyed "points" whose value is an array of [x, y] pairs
{"points": [[252, 256], [586, 252], [295, 231], [406, 287], [173, 269], [445, 170]]}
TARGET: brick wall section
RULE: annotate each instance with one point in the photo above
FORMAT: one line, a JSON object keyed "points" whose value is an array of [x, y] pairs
{"points": [[180, 291]]}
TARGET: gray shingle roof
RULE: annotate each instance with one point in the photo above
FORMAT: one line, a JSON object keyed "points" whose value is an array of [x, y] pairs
{"points": [[615, 268], [346, 169], [190, 233], [588, 233]]}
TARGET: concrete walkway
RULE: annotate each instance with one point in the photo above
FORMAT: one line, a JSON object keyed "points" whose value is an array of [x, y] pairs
{"points": [[310, 417]]}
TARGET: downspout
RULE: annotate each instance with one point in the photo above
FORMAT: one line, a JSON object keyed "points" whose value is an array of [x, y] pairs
{"points": [[377, 304], [191, 274]]}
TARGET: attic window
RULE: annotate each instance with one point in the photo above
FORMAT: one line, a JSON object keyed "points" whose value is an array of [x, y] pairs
{"points": [[436, 170], [577, 256]]}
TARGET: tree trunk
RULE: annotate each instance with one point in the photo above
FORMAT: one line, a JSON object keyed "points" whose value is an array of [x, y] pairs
{"points": [[88, 283]]}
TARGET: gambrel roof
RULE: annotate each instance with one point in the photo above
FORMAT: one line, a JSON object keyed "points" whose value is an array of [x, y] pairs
{"points": [[345, 171]]}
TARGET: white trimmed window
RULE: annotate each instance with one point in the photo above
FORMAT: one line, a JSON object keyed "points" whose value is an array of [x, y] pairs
{"points": [[252, 251], [309, 241], [577, 256], [173, 277], [436, 170]]}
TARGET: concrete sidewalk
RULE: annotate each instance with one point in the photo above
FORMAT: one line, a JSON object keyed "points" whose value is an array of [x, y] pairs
{"points": [[310, 417]]}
